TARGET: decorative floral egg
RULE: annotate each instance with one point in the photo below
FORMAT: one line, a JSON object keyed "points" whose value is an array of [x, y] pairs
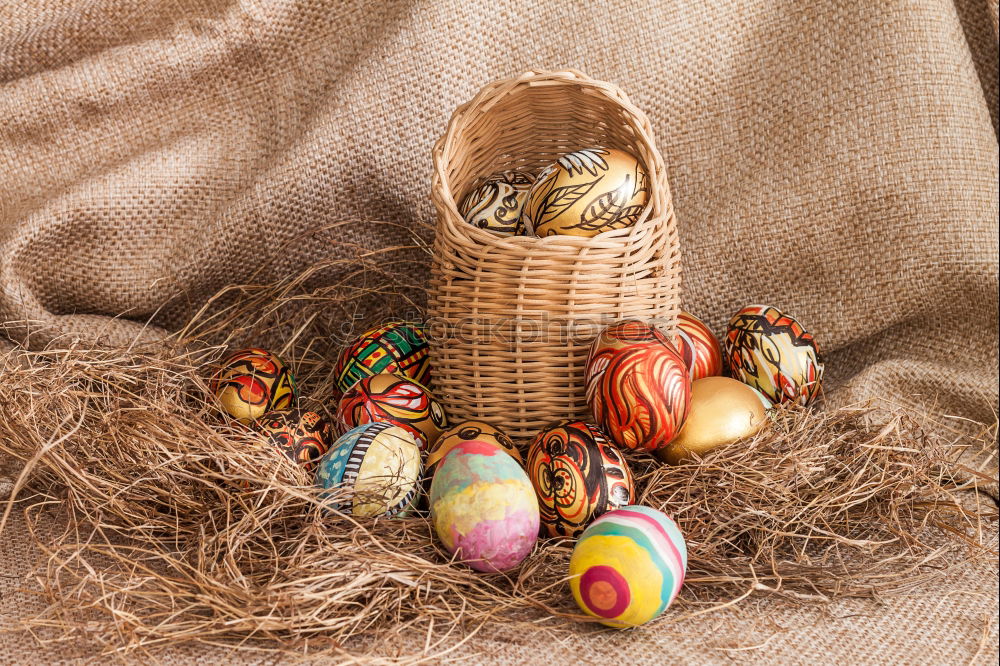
{"points": [[483, 507], [496, 204], [302, 436], [723, 410], [638, 387], [698, 346], [391, 398], [585, 193], [578, 475], [372, 470], [251, 382], [628, 566], [771, 352], [468, 431], [394, 347]]}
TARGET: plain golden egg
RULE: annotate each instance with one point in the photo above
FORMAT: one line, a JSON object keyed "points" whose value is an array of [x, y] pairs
{"points": [[722, 411]]}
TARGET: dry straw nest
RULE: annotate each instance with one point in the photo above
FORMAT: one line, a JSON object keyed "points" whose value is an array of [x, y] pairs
{"points": [[512, 318], [159, 523]]}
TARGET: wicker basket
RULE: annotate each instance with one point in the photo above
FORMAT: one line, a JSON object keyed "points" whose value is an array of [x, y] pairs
{"points": [[512, 318]]}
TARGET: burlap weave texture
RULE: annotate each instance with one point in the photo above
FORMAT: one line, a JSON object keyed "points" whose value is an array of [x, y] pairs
{"points": [[836, 159]]}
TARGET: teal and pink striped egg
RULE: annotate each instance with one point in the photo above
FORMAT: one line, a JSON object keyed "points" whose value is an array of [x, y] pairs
{"points": [[483, 507], [628, 566]]}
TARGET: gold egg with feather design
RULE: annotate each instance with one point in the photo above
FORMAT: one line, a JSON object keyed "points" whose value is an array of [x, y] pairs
{"points": [[586, 193]]}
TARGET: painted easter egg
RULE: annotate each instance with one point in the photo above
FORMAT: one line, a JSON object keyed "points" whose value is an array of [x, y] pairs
{"points": [[627, 332], [252, 382], [372, 470], [467, 431], [585, 193], [496, 204], [394, 347], [483, 507], [302, 436], [638, 388], [397, 400], [578, 475], [628, 566], [698, 346], [773, 353], [723, 410]]}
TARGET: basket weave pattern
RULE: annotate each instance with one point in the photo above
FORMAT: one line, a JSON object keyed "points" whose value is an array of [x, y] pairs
{"points": [[512, 318]]}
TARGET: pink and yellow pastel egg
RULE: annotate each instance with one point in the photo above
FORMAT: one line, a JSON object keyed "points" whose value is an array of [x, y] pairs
{"points": [[483, 507]]}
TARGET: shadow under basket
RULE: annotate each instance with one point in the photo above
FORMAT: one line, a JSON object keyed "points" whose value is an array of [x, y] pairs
{"points": [[512, 317]]}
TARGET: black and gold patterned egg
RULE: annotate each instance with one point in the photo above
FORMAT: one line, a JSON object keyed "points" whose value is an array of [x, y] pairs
{"points": [[586, 193], [496, 204]]}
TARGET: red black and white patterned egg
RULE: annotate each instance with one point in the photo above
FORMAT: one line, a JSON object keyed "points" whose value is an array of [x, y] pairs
{"points": [[698, 346], [391, 398], [302, 436], [638, 387], [773, 353], [577, 475]]}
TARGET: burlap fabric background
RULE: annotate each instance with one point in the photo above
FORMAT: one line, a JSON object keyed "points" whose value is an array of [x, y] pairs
{"points": [[838, 159]]}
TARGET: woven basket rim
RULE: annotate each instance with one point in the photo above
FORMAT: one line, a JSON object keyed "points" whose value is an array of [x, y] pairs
{"points": [[659, 204]]}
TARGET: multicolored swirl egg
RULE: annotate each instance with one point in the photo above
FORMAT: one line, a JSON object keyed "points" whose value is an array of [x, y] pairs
{"points": [[628, 566], [578, 475], [302, 436], [394, 399], [468, 431], [372, 470], [252, 382], [496, 204], [773, 353], [393, 347], [483, 507], [638, 387], [698, 346], [586, 193]]}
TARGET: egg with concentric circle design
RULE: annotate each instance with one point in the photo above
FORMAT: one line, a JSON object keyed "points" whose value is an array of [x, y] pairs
{"points": [[577, 475], [628, 566]]}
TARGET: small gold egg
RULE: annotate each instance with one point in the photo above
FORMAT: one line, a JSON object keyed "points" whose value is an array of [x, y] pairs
{"points": [[723, 410], [585, 193]]}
